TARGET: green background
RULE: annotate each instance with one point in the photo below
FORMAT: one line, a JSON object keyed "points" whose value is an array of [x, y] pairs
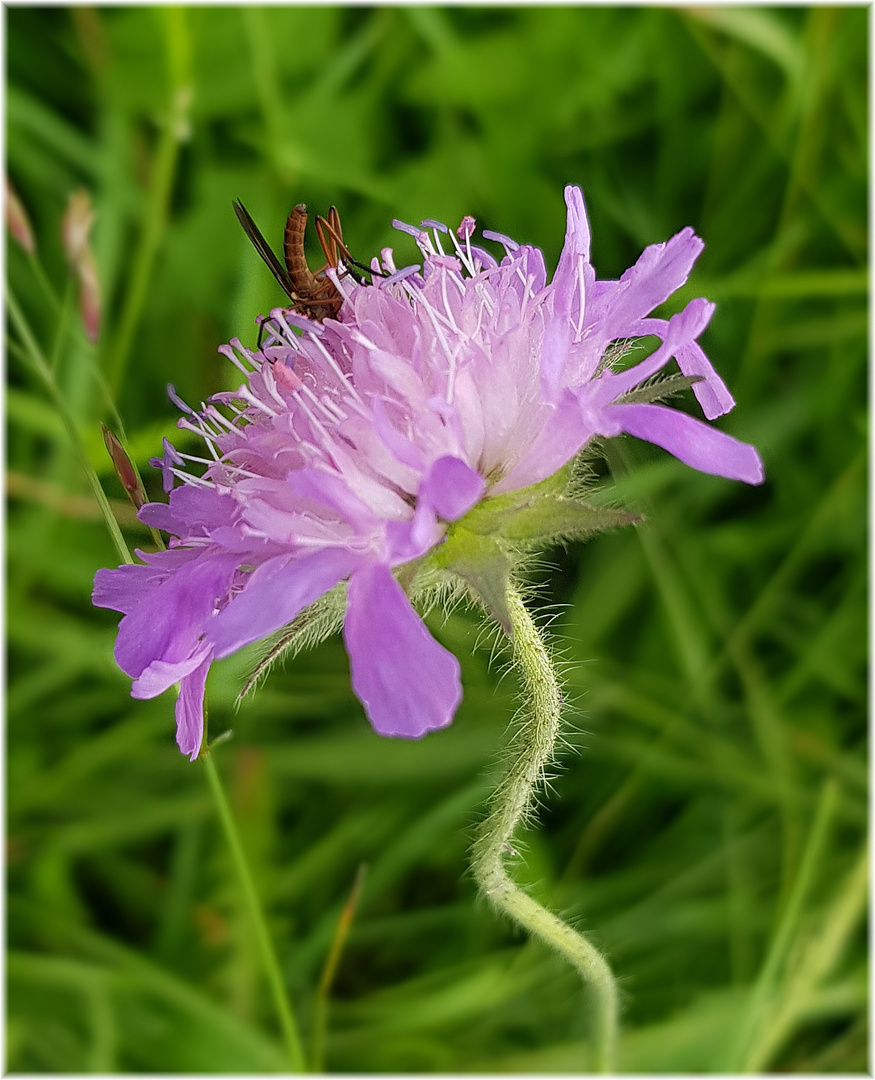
{"points": [[707, 823]]}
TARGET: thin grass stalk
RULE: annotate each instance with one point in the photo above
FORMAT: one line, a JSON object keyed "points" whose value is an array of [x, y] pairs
{"points": [[759, 1012], [332, 962], [163, 174], [268, 954], [41, 366]]}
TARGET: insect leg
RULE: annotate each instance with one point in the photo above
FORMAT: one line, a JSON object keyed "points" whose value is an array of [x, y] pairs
{"points": [[331, 240]]}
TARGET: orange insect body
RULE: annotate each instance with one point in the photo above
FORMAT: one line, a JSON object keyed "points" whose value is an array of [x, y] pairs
{"points": [[313, 295], [319, 295], [293, 249]]}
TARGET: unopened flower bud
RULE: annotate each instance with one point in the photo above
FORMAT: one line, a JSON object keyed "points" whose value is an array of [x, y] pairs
{"points": [[76, 227], [124, 468], [17, 221]]}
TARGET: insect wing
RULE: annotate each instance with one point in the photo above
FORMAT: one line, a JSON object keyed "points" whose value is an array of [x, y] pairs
{"points": [[264, 250]]}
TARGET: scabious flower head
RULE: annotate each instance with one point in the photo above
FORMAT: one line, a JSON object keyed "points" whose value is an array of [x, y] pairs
{"points": [[417, 436]]}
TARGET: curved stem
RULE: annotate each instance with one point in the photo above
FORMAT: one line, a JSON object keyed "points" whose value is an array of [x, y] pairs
{"points": [[271, 965], [531, 751]]}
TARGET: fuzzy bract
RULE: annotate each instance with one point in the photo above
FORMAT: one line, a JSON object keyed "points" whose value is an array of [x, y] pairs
{"points": [[355, 447]]}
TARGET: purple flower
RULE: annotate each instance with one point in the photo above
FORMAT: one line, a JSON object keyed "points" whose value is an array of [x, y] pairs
{"points": [[404, 442]]}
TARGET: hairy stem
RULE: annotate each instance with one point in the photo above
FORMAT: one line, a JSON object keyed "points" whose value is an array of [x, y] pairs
{"points": [[530, 753]]}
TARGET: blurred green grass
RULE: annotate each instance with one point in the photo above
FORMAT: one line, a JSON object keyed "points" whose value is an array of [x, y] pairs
{"points": [[708, 827]]}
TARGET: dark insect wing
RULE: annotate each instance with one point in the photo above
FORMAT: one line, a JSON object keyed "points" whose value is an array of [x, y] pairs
{"points": [[264, 250]]}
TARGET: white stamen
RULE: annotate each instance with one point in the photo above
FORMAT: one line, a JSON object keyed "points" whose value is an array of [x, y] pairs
{"points": [[246, 394], [308, 412], [189, 478], [345, 380], [335, 409], [450, 354], [237, 344], [227, 351], [238, 472], [450, 318], [320, 402], [270, 385]]}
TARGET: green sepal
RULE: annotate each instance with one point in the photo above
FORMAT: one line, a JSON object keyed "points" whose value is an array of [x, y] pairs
{"points": [[661, 389], [488, 576], [482, 548], [492, 514], [545, 518], [483, 564], [478, 519]]}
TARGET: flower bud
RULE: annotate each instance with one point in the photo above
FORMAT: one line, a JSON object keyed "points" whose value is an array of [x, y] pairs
{"points": [[76, 227], [124, 469], [17, 221]]}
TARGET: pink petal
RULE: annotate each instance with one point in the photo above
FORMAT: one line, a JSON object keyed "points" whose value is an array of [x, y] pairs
{"points": [[577, 234], [274, 594], [566, 429], [190, 711], [661, 269], [407, 682], [160, 675], [681, 330], [695, 443], [165, 618], [452, 487], [711, 393], [569, 291]]}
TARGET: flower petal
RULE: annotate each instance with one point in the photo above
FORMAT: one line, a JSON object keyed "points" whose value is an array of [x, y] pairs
{"points": [[274, 594], [566, 429], [190, 711], [661, 269], [168, 605], [569, 290], [695, 443], [192, 511], [160, 674], [123, 589], [712, 392], [451, 487], [577, 234], [681, 330], [408, 683]]}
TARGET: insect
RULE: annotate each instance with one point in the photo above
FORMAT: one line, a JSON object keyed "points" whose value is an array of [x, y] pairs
{"points": [[313, 295]]}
